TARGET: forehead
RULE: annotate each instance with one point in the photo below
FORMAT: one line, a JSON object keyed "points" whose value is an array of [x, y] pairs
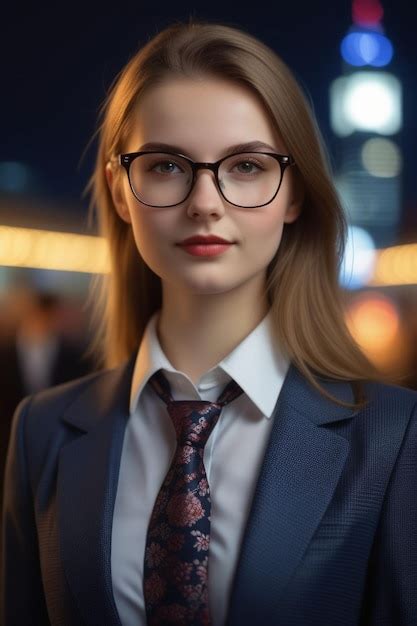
{"points": [[204, 116]]}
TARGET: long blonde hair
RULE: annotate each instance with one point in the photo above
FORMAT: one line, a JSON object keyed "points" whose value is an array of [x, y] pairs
{"points": [[302, 279]]}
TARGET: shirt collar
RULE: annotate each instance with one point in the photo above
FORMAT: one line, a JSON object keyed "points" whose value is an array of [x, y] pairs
{"points": [[256, 364]]}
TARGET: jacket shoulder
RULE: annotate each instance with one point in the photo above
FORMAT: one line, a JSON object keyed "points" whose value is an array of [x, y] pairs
{"points": [[41, 415], [382, 393], [58, 398], [40, 425]]}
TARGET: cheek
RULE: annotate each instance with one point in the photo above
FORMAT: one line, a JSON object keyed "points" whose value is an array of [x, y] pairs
{"points": [[264, 232], [152, 235]]}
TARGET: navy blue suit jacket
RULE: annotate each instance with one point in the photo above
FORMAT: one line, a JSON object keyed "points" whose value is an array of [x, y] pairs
{"points": [[331, 538]]}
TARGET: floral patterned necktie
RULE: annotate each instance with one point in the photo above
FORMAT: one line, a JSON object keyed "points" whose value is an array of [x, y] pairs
{"points": [[176, 552]]}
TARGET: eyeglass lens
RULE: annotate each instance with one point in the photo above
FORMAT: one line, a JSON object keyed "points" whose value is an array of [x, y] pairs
{"points": [[248, 179]]}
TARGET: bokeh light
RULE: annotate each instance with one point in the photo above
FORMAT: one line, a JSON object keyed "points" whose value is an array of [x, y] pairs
{"points": [[366, 48], [367, 12], [396, 265], [366, 101], [374, 321], [381, 157], [370, 104], [14, 176], [50, 250], [359, 259]]}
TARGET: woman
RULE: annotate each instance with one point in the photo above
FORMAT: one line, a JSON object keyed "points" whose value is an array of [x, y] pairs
{"points": [[299, 507]]}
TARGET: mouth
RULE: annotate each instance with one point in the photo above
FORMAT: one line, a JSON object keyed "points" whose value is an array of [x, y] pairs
{"points": [[206, 250], [204, 241]]}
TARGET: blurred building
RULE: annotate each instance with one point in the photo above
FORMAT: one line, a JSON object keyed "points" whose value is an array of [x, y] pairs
{"points": [[366, 116]]}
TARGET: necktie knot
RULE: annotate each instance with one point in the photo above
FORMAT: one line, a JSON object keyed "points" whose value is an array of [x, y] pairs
{"points": [[193, 419]]}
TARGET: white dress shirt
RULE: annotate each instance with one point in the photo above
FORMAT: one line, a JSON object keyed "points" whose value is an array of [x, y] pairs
{"points": [[232, 458]]}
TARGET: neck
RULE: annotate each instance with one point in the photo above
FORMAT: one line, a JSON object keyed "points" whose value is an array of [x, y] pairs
{"points": [[197, 331]]}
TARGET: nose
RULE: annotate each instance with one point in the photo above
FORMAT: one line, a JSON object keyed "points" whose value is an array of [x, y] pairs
{"points": [[205, 197]]}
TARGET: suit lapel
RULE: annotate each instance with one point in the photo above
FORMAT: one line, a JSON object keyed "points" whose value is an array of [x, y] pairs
{"points": [[86, 487], [301, 468]]}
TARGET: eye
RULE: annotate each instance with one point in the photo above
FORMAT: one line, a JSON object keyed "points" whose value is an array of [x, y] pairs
{"points": [[247, 167], [166, 167]]}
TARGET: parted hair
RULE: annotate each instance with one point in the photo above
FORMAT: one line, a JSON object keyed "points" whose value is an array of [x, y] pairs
{"points": [[302, 284]]}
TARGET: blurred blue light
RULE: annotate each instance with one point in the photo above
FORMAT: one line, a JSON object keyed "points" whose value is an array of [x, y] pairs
{"points": [[367, 48], [14, 176], [357, 267]]}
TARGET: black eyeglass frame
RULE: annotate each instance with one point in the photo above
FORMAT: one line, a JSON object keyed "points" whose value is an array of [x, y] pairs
{"points": [[125, 160]]}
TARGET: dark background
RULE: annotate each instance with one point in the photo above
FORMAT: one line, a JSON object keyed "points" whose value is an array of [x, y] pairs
{"points": [[58, 61]]}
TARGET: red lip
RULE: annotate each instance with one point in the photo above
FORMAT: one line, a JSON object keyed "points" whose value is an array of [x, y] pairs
{"points": [[203, 239]]}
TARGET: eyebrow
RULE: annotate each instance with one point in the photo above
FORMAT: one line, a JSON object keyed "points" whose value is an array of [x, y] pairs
{"points": [[250, 146]]}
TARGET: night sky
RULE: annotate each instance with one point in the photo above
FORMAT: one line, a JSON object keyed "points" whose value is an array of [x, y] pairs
{"points": [[58, 61]]}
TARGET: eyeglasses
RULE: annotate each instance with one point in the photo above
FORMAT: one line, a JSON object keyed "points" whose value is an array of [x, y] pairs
{"points": [[244, 179]]}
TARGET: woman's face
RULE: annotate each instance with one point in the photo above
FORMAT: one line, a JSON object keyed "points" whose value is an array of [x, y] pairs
{"points": [[204, 118]]}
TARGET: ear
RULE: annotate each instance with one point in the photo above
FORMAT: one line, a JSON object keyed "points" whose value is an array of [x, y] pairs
{"points": [[296, 201], [117, 194], [293, 211]]}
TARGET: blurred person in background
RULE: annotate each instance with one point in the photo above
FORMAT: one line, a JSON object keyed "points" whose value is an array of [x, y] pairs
{"points": [[131, 496], [35, 353]]}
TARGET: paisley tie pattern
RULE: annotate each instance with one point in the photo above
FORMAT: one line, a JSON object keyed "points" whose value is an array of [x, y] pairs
{"points": [[175, 572]]}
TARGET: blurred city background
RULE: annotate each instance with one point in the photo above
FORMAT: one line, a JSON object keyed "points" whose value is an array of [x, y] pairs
{"points": [[356, 62]]}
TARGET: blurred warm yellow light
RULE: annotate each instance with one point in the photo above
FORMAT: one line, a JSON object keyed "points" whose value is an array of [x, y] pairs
{"points": [[373, 320], [27, 247], [396, 266]]}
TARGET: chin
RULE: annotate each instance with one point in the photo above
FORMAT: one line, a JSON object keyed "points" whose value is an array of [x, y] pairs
{"points": [[206, 287]]}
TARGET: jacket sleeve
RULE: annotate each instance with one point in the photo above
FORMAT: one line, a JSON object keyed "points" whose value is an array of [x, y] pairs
{"points": [[21, 591], [390, 595]]}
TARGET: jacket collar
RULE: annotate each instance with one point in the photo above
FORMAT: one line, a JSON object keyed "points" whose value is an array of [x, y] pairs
{"points": [[110, 391]]}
